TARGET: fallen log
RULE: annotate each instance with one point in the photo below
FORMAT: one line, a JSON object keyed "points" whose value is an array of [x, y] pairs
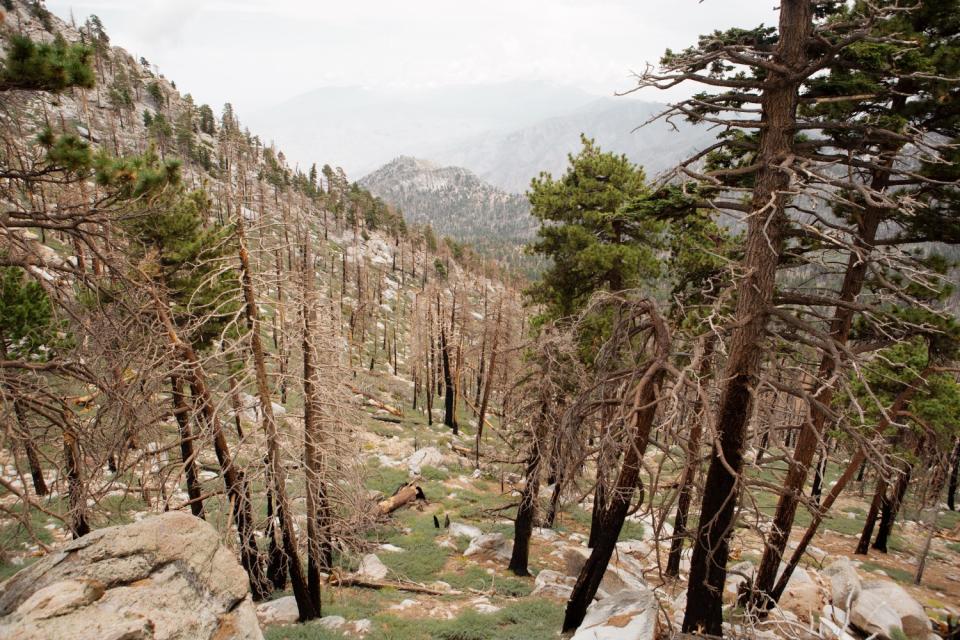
{"points": [[392, 419], [405, 495], [352, 581], [376, 402]]}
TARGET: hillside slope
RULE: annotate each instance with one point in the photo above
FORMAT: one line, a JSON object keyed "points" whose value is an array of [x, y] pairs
{"points": [[456, 203]]}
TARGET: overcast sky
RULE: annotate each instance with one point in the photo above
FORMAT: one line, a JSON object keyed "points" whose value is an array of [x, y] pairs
{"points": [[256, 53]]}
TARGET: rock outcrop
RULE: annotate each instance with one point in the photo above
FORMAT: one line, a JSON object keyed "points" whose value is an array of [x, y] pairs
{"points": [[883, 606], [628, 615], [490, 546], [844, 582], [166, 577]]}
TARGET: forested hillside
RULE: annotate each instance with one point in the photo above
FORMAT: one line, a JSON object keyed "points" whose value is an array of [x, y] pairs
{"points": [[456, 203], [241, 399]]}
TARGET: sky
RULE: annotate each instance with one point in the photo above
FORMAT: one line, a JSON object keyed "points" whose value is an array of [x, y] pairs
{"points": [[258, 53]]}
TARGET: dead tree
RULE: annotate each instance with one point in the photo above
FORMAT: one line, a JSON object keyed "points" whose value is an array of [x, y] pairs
{"points": [[276, 473], [637, 413]]}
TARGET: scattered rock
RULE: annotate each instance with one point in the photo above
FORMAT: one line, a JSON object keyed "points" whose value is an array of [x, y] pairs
{"points": [[461, 530], [844, 582], [111, 584], [553, 584], [490, 546], [624, 572], [482, 605], [332, 622], [882, 605], [426, 457], [371, 568], [802, 596], [834, 625], [362, 626], [390, 548], [629, 615], [737, 574], [280, 611]]}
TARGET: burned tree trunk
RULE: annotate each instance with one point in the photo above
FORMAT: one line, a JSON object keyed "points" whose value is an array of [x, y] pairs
{"points": [[763, 246], [618, 503], [319, 549], [181, 412], [276, 471], [486, 388], [527, 509], [690, 469], [954, 476], [639, 419]]}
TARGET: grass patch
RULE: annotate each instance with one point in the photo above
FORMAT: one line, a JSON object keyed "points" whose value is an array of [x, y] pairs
{"points": [[422, 559], [474, 577], [528, 620], [900, 575], [386, 480]]}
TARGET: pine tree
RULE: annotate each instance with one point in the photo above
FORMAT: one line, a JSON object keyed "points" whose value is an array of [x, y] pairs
{"points": [[45, 67]]}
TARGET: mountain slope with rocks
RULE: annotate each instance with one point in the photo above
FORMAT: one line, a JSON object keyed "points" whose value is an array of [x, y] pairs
{"points": [[456, 203]]}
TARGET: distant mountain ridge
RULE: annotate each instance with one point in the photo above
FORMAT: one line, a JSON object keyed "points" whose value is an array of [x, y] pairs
{"points": [[364, 128], [510, 160], [453, 200]]}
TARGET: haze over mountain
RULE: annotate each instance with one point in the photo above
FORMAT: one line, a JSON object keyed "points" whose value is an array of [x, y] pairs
{"points": [[511, 159], [364, 128]]}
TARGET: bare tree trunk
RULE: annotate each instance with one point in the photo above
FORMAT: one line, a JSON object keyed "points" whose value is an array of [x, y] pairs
{"points": [[690, 468], [954, 476], [527, 510], [181, 412], [449, 418], [276, 471], [889, 510], [33, 458], [763, 246], [72, 462], [871, 520], [486, 388], [644, 410], [319, 550]]}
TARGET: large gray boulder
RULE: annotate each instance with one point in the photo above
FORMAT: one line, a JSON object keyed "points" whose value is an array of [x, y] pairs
{"points": [[166, 577], [883, 606], [624, 572], [627, 615], [845, 582], [280, 611], [553, 584], [371, 568], [490, 546], [802, 596]]}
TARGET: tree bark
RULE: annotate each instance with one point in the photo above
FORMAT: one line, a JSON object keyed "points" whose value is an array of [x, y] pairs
{"points": [[690, 468], [764, 244], [644, 410], [618, 502], [527, 509], [319, 549], [275, 469], [954, 477], [181, 412], [890, 508], [78, 503], [487, 386]]}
